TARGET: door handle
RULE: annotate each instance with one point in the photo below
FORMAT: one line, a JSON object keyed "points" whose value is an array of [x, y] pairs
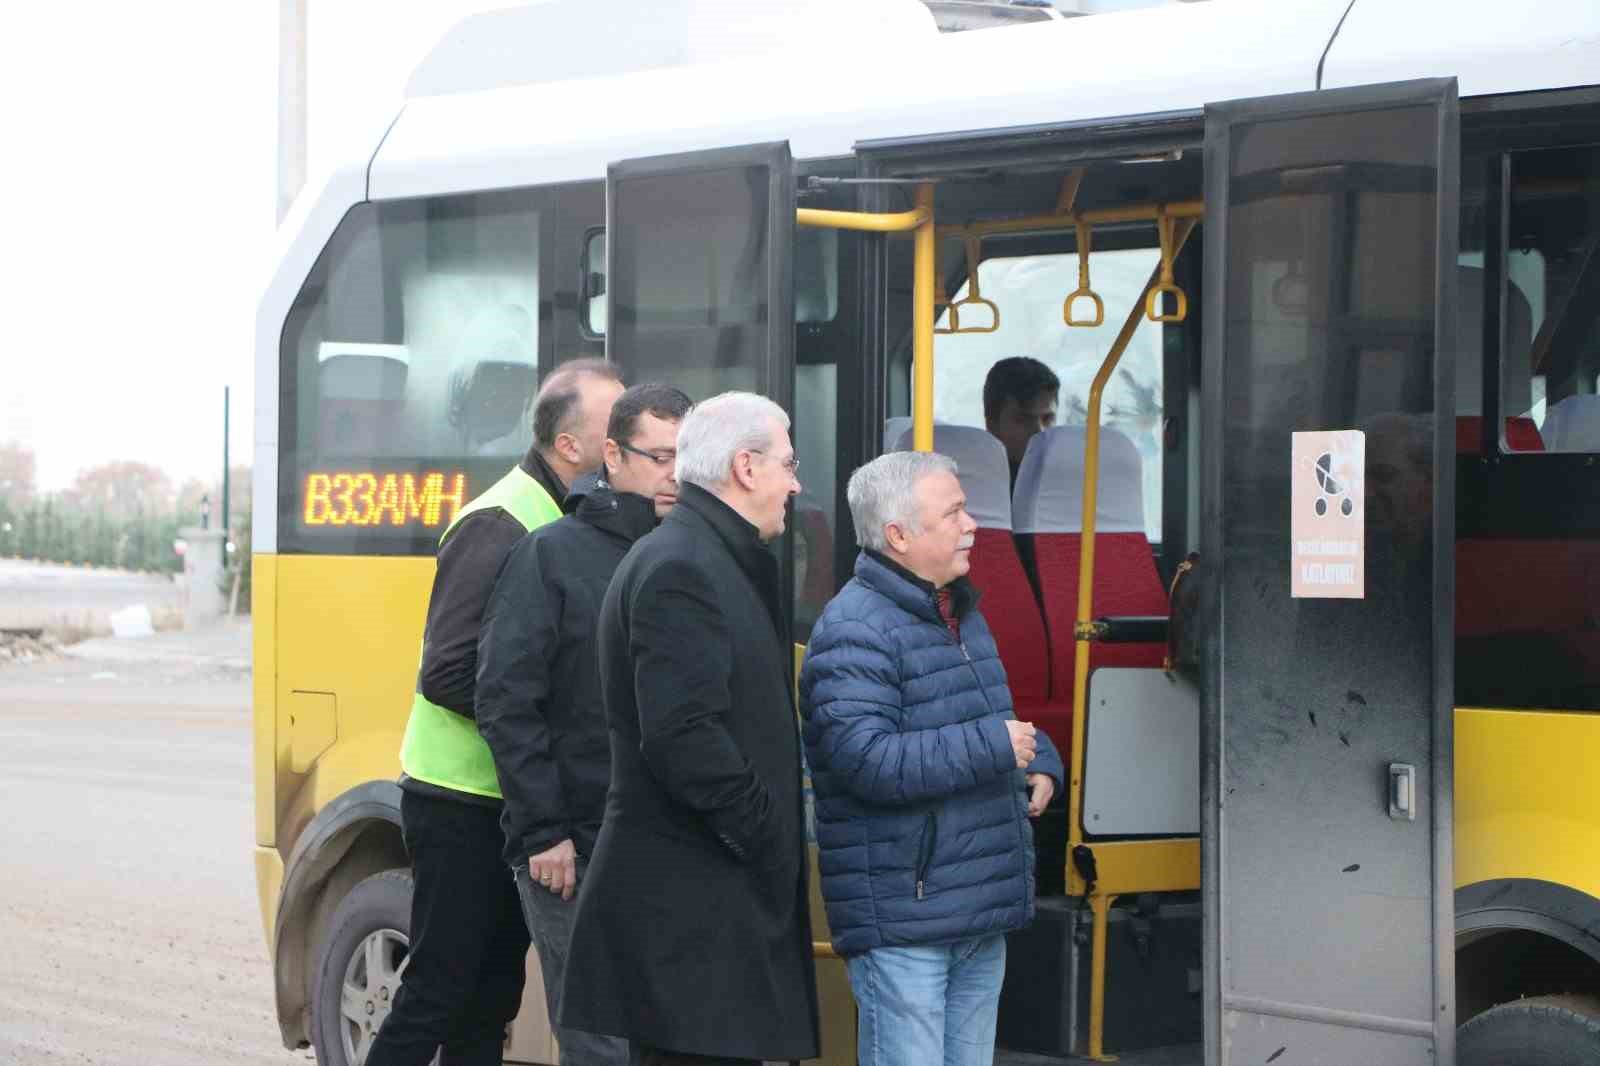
{"points": [[1402, 792]]}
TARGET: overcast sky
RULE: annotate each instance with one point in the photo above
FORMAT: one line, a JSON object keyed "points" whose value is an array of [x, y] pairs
{"points": [[139, 188]]}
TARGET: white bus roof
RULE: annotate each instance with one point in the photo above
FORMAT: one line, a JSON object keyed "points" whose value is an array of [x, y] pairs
{"points": [[824, 94], [874, 74]]}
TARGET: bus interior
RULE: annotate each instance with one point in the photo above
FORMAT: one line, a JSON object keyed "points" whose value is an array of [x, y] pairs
{"points": [[1011, 282], [1009, 278]]}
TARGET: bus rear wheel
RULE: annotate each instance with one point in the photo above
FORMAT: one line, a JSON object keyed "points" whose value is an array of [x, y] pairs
{"points": [[1538, 1031], [358, 972]]}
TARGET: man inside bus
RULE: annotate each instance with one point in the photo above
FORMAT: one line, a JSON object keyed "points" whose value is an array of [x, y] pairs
{"points": [[538, 693], [1019, 400], [924, 778], [693, 937], [464, 975]]}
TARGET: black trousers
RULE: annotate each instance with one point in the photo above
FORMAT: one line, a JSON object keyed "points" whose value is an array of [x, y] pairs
{"points": [[469, 944], [649, 1056]]}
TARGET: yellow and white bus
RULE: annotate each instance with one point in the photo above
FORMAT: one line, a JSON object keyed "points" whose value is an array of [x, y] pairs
{"points": [[1321, 283]]}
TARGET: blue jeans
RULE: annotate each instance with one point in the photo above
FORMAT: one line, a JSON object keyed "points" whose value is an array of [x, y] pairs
{"points": [[549, 920], [924, 1006]]}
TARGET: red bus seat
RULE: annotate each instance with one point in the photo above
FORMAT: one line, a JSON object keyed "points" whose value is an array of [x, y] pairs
{"points": [[1521, 435], [1008, 603], [1049, 509]]}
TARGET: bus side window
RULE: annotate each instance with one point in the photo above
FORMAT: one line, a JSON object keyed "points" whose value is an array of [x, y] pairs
{"points": [[1554, 228], [408, 365], [1527, 557]]}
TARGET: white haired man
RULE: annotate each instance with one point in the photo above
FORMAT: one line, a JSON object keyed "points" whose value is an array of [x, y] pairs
{"points": [[924, 778], [692, 937]]}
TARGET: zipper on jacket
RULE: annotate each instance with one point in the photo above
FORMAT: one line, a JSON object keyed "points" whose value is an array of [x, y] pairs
{"points": [[1019, 804], [930, 835]]}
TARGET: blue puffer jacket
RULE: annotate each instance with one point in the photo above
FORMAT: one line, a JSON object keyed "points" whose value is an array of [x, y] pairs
{"points": [[922, 814]]}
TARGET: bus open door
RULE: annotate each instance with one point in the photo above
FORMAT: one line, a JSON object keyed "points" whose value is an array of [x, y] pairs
{"points": [[1327, 526]]}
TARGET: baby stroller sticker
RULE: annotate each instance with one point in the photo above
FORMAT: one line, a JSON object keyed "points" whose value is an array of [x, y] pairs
{"points": [[1327, 530]]}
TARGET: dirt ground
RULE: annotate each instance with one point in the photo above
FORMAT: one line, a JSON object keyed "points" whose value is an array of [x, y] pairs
{"points": [[129, 930]]}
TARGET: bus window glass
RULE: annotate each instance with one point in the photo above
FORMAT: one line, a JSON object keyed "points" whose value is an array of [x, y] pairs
{"points": [[816, 442], [688, 297], [691, 297], [408, 363], [1029, 291], [1550, 365]]}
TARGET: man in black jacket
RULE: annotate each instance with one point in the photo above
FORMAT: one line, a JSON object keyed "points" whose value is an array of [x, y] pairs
{"points": [[464, 976], [538, 692], [693, 934]]}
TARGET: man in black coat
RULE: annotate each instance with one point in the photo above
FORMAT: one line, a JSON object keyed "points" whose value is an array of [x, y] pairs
{"points": [[693, 937], [538, 690]]}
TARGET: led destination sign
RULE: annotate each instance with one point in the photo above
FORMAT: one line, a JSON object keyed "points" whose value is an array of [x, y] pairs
{"points": [[367, 499]]}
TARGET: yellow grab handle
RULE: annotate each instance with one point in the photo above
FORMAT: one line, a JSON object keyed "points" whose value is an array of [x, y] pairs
{"points": [[1083, 290], [1166, 230], [974, 295], [1152, 304]]}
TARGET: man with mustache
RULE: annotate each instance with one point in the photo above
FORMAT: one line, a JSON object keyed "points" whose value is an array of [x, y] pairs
{"points": [[924, 778]]}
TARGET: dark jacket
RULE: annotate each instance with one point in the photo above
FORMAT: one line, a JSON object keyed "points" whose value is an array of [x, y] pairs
{"points": [[692, 932], [922, 814], [538, 694], [464, 573]]}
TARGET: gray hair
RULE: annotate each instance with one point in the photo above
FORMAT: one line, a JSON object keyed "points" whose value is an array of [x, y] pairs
{"points": [[885, 490], [715, 431]]}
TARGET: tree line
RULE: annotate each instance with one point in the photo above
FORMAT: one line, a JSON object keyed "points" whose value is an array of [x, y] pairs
{"points": [[118, 514]]}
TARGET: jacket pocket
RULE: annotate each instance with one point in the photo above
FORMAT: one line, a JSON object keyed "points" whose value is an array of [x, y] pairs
{"points": [[930, 837]]}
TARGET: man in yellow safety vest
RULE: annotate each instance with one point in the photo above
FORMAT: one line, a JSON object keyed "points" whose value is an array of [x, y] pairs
{"points": [[463, 981]]}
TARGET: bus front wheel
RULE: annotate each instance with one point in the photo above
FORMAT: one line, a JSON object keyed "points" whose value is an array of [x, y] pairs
{"points": [[1538, 1031], [358, 972]]}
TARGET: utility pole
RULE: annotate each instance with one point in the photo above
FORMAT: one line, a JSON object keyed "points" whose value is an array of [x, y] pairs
{"points": [[227, 526], [291, 102]]}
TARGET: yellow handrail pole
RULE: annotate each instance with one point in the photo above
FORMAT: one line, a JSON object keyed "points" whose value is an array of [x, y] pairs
{"points": [[1103, 216], [898, 222], [924, 270], [1081, 632], [1100, 910], [919, 221]]}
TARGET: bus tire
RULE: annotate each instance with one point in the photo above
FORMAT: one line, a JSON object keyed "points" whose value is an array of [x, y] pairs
{"points": [[358, 970], [1538, 1031]]}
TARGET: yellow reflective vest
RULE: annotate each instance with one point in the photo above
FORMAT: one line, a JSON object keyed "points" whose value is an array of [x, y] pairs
{"points": [[441, 747]]}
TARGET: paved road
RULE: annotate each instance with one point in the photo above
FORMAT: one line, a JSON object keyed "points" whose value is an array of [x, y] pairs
{"points": [[129, 931], [44, 594]]}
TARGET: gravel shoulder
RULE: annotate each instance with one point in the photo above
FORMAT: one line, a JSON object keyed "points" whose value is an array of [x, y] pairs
{"points": [[129, 930]]}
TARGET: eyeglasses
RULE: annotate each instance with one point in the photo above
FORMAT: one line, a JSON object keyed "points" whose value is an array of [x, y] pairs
{"points": [[791, 464], [658, 458]]}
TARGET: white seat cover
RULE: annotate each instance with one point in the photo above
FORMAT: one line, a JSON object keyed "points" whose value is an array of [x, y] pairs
{"points": [[981, 466], [1049, 493], [1573, 425], [894, 430]]}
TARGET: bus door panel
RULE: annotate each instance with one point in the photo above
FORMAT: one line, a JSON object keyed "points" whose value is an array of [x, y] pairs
{"points": [[700, 270], [1328, 518]]}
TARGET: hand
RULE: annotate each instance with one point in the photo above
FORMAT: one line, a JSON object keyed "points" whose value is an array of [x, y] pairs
{"points": [[1023, 744], [1040, 788], [556, 869]]}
